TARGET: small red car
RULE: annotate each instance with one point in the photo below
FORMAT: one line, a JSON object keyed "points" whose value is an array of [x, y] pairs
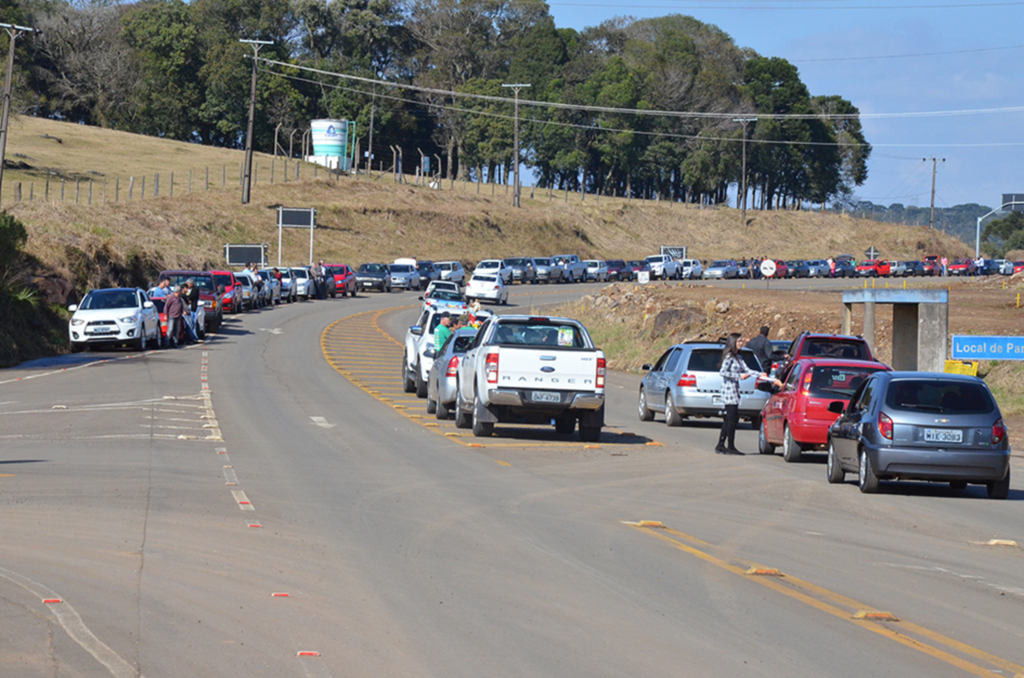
{"points": [[963, 267], [781, 269], [797, 417], [232, 290], [1018, 266], [344, 280], [874, 268]]}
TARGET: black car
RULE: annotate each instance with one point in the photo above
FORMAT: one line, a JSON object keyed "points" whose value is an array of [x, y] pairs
{"points": [[915, 268], [921, 426], [618, 270], [374, 277], [989, 267], [798, 268], [428, 272], [846, 268]]}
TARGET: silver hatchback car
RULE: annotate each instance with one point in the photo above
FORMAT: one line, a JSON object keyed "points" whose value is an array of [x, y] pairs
{"points": [[921, 426], [442, 382], [685, 382]]}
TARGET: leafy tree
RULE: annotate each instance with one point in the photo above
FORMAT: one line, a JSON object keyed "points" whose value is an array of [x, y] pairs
{"points": [[1005, 234]]}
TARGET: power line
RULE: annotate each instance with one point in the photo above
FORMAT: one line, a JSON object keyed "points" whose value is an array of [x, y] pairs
{"points": [[905, 56], [651, 112]]}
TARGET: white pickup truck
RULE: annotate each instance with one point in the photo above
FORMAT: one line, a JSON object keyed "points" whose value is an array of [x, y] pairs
{"points": [[663, 266], [532, 370], [575, 270]]}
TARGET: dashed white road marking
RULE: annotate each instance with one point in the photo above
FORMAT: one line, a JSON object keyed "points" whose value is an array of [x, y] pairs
{"points": [[229, 476], [276, 330], [1012, 590], [242, 500], [73, 625]]}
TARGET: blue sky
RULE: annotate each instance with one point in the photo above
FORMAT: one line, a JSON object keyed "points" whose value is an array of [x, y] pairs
{"points": [[814, 34]]}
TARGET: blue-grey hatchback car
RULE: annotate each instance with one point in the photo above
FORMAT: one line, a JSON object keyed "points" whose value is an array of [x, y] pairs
{"points": [[921, 426]]}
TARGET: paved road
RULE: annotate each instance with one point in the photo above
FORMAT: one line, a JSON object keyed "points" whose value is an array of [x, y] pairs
{"points": [[164, 499]]}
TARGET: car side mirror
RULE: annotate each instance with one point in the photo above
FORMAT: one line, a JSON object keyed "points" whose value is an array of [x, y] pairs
{"points": [[147, 304], [420, 297], [837, 407], [646, 367], [429, 353], [417, 330], [73, 307]]}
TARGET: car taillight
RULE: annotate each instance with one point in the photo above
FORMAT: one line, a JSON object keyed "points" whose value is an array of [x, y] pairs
{"points": [[687, 380], [998, 432], [491, 368], [601, 370], [453, 365], [885, 425], [807, 385]]}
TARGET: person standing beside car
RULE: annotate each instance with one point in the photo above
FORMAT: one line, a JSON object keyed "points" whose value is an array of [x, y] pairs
{"points": [[162, 289], [443, 331], [190, 295], [762, 348], [174, 309], [732, 371]]}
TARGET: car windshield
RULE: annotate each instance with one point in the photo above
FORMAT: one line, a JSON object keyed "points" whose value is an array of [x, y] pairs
{"points": [[719, 264], [401, 268], [542, 262], [444, 267], [424, 268], [961, 262], [945, 396], [653, 258], [203, 282], [832, 382], [372, 268], [222, 280], [104, 299], [445, 295], [489, 264], [539, 333], [710, 359], [637, 263], [835, 348], [462, 343], [243, 280], [484, 278], [516, 262], [593, 264], [300, 273]]}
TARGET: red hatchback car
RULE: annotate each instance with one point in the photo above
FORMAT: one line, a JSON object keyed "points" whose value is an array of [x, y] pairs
{"points": [[232, 290], [797, 417], [344, 280], [874, 268]]}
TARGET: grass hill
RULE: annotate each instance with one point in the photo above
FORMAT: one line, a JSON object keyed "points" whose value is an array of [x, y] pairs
{"points": [[362, 219]]}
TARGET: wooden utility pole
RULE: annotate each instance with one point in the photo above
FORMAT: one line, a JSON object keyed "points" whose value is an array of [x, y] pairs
{"points": [[247, 173], [516, 188], [935, 167], [14, 32]]}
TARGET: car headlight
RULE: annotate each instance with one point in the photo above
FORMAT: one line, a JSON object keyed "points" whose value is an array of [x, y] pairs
{"points": [[129, 319], [75, 322], [204, 303]]}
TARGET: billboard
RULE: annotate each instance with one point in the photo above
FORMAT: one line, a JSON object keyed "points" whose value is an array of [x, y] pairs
{"points": [[1014, 197], [243, 255]]}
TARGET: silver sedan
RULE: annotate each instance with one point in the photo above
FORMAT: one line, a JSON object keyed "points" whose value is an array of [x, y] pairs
{"points": [[725, 268], [442, 383]]}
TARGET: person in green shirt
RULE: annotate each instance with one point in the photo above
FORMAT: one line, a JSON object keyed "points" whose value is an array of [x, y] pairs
{"points": [[442, 332]]}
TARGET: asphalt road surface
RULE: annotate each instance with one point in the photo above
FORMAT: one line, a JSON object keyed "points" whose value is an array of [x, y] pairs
{"points": [[269, 504]]}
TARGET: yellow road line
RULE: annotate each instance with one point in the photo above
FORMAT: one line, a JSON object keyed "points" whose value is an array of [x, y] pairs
{"points": [[816, 596]]}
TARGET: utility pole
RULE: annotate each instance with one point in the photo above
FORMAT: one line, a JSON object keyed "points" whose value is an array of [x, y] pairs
{"points": [[515, 190], [743, 181], [935, 167], [14, 32], [247, 179], [373, 109]]}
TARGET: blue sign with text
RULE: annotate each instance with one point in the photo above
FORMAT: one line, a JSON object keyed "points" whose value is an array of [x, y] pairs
{"points": [[987, 348]]}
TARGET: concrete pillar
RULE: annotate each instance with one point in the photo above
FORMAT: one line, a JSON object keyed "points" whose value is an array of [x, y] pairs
{"points": [[932, 337], [905, 336], [869, 324], [847, 319]]}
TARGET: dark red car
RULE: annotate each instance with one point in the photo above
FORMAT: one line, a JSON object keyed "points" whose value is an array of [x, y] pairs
{"points": [[618, 270], [232, 290], [210, 295], [781, 269], [797, 417], [344, 279]]}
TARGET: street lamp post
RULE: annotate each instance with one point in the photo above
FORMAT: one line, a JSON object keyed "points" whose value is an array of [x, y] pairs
{"points": [[743, 182], [977, 235], [515, 190], [247, 179], [14, 32]]}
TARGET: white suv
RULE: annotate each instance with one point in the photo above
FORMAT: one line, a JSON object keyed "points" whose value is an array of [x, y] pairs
{"points": [[452, 270], [663, 266], [691, 269]]}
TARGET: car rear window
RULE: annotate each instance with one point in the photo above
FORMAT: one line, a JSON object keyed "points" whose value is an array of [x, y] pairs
{"points": [[709, 360], [940, 396], [539, 333], [835, 348], [484, 278], [401, 268], [373, 268], [542, 262], [837, 382], [462, 343], [720, 264], [222, 280]]}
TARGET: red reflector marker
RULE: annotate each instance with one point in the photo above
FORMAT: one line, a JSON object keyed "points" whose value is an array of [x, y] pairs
{"points": [[51, 601], [279, 595], [308, 653]]}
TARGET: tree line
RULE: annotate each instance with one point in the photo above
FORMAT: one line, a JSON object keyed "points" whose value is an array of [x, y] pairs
{"points": [[176, 70]]}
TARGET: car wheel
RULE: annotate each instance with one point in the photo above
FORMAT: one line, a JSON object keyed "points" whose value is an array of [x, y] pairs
{"points": [[481, 429], [141, 343], [763, 446], [408, 384], [565, 425], [421, 386], [431, 406], [833, 468], [590, 434], [999, 489], [463, 419], [866, 478], [672, 417], [646, 414], [441, 410], [790, 448], [958, 484]]}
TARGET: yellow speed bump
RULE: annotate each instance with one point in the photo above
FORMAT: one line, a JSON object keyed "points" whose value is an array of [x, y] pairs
{"points": [[452, 434], [764, 572], [875, 615], [1001, 542], [656, 524], [654, 443]]}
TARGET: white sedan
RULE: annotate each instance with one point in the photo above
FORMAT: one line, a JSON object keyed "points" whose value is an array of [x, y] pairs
{"points": [[114, 317], [487, 288], [495, 267]]}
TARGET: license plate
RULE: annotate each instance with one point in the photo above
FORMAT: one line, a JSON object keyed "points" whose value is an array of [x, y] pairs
{"points": [[716, 400], [542, 397], [103, 330], [941, 435], [367, 284]]}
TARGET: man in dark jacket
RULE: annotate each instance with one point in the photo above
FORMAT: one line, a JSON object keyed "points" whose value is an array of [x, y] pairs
{"points": [[190, 295], [174, 309], [762, 348]]}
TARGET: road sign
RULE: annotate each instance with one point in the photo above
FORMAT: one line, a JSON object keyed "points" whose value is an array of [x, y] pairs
{"points": [[987, 348], [643, 277], [296, 217], [243, 255], [768, 268], [872, 253]]}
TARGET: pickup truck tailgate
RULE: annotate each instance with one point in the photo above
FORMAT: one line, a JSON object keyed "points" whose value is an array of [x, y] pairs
{"points": [[539, 368]]}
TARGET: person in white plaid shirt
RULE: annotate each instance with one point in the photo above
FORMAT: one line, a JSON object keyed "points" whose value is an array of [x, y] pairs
{"points": [[733, 369]]}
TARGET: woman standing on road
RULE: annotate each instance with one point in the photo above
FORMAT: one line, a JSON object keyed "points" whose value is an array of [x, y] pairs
{"points": [[733, 369]]}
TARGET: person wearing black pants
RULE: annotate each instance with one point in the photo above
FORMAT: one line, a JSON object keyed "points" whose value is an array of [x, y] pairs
{"points": [[733, 370]]}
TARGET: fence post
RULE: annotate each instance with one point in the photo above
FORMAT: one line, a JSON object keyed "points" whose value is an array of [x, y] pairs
{"points": [[171, 194], [78, 189], [17, 192], [256, 173], [31, 190], [142, 188], [285, 170], [103, 197], [62, 182], [46, 194], [190, 181], [272, 163], [131, 185], [156, 184], [90, 191], [241, 176], [549, 192], [223, 176], [117, 189], [567, 194], [297, 166], [316, 168]]}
